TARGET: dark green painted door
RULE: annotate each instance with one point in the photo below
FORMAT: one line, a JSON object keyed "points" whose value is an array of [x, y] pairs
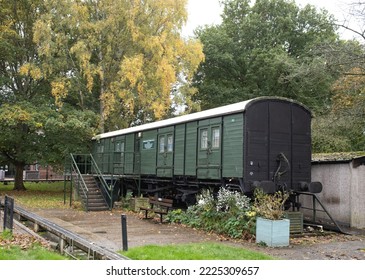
{"points": [[209, 152], [165, 154], [118, 156]]}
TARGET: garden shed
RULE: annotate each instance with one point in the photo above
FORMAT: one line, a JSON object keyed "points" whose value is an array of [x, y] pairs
{"points": [[343, 179]]}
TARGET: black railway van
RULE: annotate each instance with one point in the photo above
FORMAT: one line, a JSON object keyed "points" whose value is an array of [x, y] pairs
{"points": [[263, 142]]}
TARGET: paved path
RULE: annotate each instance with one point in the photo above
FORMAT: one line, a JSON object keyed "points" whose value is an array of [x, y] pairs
{"points": [[104, 229]]}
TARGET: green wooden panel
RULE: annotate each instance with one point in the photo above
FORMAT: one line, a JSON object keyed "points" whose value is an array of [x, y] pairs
{"points": [[212, 121], [108, 160], [190, 148], [233, 143], [166, 129], [179, 159], [104, 155], [148, 149], [129, 154], [105, 164]]}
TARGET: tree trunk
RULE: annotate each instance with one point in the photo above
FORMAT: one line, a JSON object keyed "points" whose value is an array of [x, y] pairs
{"points": [[18, 180]]}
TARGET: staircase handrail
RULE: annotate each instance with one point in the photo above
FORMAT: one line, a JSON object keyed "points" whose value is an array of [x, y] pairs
{"points": [[107, 188], [75, 167]]}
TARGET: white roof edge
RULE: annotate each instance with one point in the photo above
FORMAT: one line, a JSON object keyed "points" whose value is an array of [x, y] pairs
{"points": [[223, 110]]}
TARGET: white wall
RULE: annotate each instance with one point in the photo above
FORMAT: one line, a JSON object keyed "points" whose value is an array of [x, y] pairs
{"points": [[357, 197], [343, 192]]}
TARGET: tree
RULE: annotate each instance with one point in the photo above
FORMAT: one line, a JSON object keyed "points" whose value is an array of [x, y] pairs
{"points": [[266, 49], [342, 126], [32, 127], [38, 133], [125, 54]]}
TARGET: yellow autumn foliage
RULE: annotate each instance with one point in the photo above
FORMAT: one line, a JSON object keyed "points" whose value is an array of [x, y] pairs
{"points": [[59, 91], [31, 70], [349, 90], [130, 51]]}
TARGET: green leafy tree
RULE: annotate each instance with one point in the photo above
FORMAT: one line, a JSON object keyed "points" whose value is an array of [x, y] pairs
{"points": [[341, 129], [32, 127], [266, 49]]}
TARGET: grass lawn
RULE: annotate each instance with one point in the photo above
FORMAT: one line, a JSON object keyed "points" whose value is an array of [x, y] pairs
{"points": [[36, 252], [39, 195], [193, 251]]}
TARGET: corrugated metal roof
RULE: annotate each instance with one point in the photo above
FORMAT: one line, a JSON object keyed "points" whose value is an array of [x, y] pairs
{"points": [[337, 157]]}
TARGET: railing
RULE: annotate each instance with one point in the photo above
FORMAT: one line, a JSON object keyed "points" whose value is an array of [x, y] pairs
{"points": [[107, 190], [83, 188], [68, 241], [86, 164], [314, 209]]}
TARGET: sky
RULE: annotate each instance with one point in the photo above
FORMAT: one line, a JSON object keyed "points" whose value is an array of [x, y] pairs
{"points": [[207, 12]]}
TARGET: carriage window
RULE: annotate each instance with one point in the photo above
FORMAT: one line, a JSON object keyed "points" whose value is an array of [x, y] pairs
{"points": [[170, 141], [119, 147], [162, 144], [215, 137], [100, 148], [204, 139]]}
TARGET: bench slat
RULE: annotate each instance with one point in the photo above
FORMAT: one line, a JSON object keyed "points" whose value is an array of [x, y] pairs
{"points": [[168, 205], [161, 202]]}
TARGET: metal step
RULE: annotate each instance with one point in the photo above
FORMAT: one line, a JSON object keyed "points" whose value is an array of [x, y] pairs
{"points": [[95, 200]]}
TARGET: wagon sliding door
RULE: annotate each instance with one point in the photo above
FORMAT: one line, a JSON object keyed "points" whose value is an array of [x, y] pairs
{"points": [[209, 149]]}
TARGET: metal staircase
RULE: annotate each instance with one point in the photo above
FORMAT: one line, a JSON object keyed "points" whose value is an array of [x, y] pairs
{"points": [[94, 199], [89, 183]]}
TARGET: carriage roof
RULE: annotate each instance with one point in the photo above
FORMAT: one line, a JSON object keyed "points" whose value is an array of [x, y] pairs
{"points": [[215, 112]]}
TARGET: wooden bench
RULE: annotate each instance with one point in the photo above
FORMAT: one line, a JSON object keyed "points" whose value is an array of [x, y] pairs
{"points": [[158, 205]]}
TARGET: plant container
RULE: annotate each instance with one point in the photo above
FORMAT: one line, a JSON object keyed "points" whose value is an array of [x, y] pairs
{"points": [[274, 233]]}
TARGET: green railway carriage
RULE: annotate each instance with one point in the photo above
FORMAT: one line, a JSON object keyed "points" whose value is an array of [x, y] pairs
{"points": [[262, 142]]}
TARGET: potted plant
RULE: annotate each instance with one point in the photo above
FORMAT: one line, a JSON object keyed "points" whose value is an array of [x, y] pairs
{"points": [[272, 228]]}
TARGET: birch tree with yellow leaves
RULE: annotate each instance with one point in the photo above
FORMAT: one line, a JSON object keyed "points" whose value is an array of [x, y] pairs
{"points": [[122, 56]]}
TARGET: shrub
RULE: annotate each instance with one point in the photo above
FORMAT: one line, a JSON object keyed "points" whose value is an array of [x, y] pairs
{"points": [[225, 214], [232, 201], [269, 206]]}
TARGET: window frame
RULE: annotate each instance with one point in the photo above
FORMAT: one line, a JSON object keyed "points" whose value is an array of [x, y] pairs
{"points": [[215, 141], [204, 139], [161, 144]]}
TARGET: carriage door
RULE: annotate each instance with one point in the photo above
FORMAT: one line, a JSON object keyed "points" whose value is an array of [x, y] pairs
{"points": [[209, 152], [118, 157], [165, 154]]}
